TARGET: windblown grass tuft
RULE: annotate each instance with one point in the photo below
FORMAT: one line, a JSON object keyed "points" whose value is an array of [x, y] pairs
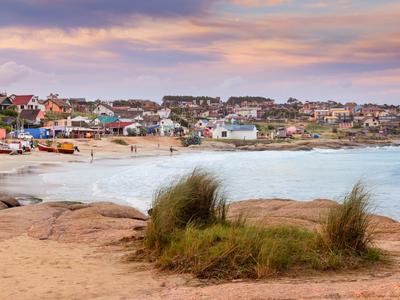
{"points": [[196, 199], [348, 226], [188, 232]]}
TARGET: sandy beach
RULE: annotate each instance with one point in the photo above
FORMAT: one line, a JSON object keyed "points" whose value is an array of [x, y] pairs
{"points": [[58, 251], [103, 149]]}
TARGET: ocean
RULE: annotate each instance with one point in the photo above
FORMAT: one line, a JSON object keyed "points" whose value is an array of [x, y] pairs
{"points": [[299, 175]]}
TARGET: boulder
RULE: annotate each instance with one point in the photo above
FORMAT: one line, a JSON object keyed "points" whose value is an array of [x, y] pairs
{"points": [[9, 201], [3, 206]]}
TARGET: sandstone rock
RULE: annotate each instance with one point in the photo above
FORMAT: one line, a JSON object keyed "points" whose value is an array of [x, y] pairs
{"points": [[3, 205], [9, 201]]}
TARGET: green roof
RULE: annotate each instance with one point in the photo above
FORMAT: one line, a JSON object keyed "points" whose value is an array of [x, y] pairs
{"points": [[107, 119]]}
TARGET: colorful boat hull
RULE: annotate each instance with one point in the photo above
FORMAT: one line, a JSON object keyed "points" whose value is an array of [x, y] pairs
{"points": [[56, 150]]}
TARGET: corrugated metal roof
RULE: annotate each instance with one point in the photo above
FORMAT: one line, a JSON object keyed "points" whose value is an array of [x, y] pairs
{"points": [[240, 127]]}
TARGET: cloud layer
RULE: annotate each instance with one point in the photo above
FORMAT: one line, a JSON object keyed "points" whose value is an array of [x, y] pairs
{"points": [[110, 49]]}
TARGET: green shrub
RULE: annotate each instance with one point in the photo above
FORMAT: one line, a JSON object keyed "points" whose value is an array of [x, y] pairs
{"points": [[9, 113], [196, 199], [193, 139], [348, 226], [119, 142]]}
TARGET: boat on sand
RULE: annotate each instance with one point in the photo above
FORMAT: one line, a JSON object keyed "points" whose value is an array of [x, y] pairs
{"points": [[65, 148]]}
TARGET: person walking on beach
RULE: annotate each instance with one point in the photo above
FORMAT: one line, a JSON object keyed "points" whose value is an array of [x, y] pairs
{"points": [[171, 150], [131, 148], [91, 155]]}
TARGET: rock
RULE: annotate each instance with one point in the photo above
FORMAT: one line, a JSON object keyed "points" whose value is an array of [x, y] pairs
{"points": [[90, 223], [9, 201], [3, 206]]}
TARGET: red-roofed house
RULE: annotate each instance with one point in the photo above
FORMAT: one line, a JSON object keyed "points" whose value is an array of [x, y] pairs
{"points": [[25, 102]]}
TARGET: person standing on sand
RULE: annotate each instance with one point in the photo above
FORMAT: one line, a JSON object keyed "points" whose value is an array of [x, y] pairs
{"points": [[171, 150], [91, 154], [131, 148]]}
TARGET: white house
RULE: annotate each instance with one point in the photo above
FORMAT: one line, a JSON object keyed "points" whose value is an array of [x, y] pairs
{"points": [[25, 102], [246, 112], [237, 132], [164, 113], [104, 110], [134, 127], [167, 126]]}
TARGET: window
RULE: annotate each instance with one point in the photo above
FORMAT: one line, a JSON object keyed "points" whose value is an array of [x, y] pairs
{"points": [[224, 134]]}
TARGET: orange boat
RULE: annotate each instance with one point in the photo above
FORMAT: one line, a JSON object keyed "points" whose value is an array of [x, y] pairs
{"points": [[65, 148]]}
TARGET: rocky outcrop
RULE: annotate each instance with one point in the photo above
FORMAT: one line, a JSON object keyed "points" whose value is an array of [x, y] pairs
{"points": [[8, 202], [306, 214], [78, 223]]}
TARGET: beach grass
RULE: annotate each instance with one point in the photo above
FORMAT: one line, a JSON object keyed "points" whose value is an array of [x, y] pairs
{"points": [[348, 227], [189, 233], [194, 199]]}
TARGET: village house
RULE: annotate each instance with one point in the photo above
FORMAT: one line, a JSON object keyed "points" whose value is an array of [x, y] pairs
{"points": [[117, 128], [25, 102], [164, 113], [201, 123], [57, 106], [371, 111], [32, 116], [151, 120], [132, 129], [5, 102], [79, 104], [338, 115], [239, 132], [103, 109], [246, 112], [371, 122]]}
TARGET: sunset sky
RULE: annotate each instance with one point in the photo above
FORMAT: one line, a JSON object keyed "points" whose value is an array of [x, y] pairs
{"points": [[312, 50]]}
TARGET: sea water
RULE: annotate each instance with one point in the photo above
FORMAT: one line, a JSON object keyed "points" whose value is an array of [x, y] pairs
{"points": [[300, 175]]}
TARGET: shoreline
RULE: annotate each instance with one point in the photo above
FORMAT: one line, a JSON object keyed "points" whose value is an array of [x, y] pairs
{"points": [[105, 150]]}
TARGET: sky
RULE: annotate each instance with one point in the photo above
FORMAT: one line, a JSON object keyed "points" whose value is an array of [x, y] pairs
{"points": [[344, 50]]}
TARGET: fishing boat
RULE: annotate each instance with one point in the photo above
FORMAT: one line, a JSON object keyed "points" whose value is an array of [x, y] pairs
{"points": [[5, 149], [65, 148]]}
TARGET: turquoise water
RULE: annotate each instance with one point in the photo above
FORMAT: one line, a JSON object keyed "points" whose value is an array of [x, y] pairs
{"points": [[302, 175]]}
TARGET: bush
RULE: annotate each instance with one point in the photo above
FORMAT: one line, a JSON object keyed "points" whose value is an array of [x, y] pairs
{"points": [[120, 142], [348, 226], [193, 139], [188, 232], [195, 199], [10, 113]]}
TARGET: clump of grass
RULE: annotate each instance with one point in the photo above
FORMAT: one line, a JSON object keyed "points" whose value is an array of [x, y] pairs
{"points": [[347, 227], [119, 142], [229, 251], [196, 199], [188, 232]]}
